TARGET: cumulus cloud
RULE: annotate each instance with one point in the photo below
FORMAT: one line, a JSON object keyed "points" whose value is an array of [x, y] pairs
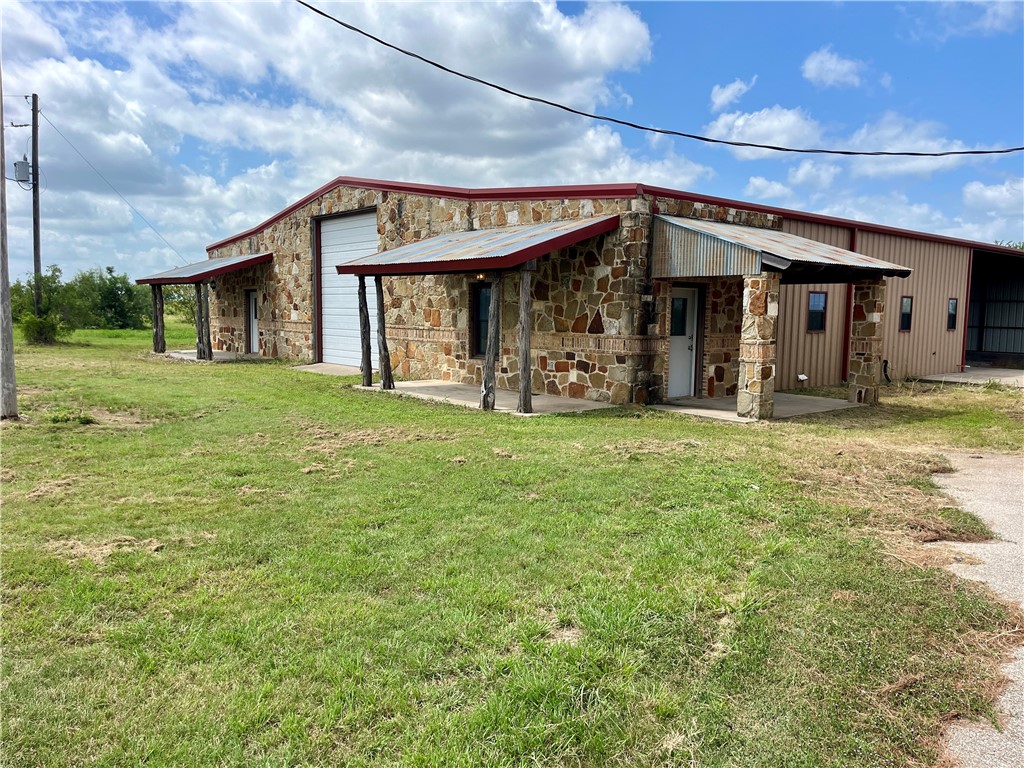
{"points": [[205, 118], [724, 95], [895, 133], [827, 69], [776, 126], [1005, 198], [761, 188], [813, 173]]}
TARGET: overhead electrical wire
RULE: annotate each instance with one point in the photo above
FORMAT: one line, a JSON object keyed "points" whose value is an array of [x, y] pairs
{"points": [[116, 192], [647, 128]]}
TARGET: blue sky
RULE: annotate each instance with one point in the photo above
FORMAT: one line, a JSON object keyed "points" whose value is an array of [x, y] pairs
{"points": [[209, 117]]}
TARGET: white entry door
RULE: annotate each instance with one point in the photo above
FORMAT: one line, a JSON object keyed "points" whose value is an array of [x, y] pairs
{"points": [[682, 341], [343, 239]]}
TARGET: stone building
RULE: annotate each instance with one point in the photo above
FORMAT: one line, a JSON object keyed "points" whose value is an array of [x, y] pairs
{"points": [[635, 294]]}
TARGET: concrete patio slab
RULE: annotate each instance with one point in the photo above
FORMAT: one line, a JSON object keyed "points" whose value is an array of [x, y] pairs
{"points": [[980, 375], [468, 396], [218, 357], [724, 408], [330, 369]]}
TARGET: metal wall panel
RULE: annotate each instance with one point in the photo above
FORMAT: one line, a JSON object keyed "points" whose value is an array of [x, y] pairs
{"points": [[682, 252], [940, 274], [817, 355]]}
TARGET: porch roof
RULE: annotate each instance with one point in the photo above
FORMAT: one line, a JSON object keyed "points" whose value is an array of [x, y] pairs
{"points": [[480, 250], [697, 248], [199, 271]]}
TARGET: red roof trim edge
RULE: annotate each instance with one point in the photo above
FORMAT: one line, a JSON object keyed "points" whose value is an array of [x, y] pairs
{"points": [[215, 271], [596, 191], [514, 259]]}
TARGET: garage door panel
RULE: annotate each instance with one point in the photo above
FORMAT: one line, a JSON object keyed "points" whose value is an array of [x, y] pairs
{"points": [[341, 240]]}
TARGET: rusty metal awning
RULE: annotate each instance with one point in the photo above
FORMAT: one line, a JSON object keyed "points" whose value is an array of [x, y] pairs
{"points": [[697, 248], [205, 269], [480, 250]]}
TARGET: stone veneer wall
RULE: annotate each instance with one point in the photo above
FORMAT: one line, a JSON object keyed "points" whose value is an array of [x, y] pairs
{"points": [[591, 337], [723, 305], [585, 299]]}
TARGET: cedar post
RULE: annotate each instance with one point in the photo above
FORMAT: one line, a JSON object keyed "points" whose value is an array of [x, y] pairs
{"points": [[200, 349], [366, 361], [493, 343], [525, 323], [159, 345], [386, 379]]}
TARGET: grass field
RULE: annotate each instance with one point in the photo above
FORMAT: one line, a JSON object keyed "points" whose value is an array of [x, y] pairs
{"points": [[242, 564]]}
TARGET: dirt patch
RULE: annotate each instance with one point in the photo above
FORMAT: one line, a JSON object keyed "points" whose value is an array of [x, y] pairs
{"points": [[129, 419], [558, 631], [501, 453], [631, 448], [332, 441], [49, 488], [99, 552]]}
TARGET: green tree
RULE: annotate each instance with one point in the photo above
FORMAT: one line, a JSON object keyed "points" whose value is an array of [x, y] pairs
{"points": [[111, 300]]}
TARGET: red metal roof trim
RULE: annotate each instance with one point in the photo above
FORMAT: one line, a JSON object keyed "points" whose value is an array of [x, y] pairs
{"points": [[597, 191], [215, 270], [482, 264]]}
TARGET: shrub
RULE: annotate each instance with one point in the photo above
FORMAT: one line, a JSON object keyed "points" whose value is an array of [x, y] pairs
{"points": [[48, 329]]}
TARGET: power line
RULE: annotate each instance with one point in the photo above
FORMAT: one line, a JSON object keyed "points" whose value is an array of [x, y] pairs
{"points": [[638, 126], [123, 198]]}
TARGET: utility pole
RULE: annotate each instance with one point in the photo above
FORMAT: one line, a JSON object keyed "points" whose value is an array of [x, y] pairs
{"points": [[8, 388], [37, 256]]}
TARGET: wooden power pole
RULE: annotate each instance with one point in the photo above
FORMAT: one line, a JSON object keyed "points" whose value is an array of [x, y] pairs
{"points": [[8, 388], [37, 258]]}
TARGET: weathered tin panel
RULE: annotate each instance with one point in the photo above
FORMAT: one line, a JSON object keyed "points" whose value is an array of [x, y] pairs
{"points": [[817, 355], [681, 251], [940, 274]]}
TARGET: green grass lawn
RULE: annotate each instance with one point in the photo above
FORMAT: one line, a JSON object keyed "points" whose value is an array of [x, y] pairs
{"points": [[242, 564]]}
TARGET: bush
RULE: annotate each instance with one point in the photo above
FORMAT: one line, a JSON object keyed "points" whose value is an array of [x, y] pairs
{"points": [[92, 299], [48, 329]]}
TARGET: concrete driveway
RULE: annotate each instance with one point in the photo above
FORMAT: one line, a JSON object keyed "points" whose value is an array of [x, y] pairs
{"points": [[992, 487]]}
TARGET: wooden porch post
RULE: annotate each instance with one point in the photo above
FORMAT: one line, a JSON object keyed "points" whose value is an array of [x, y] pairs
{"points": [[366, 360], [493, 343], [159, 345], [200, 337], [204, 347], [384, 357], [525, 324]]}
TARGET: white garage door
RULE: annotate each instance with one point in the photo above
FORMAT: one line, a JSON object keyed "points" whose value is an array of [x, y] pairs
{"points": [[341, 240]]}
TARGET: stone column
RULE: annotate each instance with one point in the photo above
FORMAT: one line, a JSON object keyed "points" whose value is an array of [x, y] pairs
{"points": [[866, 341], [755, 395]]}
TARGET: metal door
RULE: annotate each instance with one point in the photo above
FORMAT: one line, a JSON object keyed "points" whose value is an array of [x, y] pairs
{"points": [[682, 335]]}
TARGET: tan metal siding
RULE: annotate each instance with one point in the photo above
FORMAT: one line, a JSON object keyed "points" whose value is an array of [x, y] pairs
{"points": [[940, 274], [817, 355]]}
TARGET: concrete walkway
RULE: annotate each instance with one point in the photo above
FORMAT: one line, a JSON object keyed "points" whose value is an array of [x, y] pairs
{"points": [[724, 408], [468, 396], [992, 487], [981, 375]]}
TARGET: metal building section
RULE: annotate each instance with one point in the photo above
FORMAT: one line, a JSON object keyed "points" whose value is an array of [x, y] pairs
{"points": [[939, 274], [684, 252], [995, 333], [818, 355]]}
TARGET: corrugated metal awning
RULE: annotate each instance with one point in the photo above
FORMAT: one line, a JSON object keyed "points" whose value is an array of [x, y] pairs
{"points": [[698, 248], [204, 270], [479, 250]]}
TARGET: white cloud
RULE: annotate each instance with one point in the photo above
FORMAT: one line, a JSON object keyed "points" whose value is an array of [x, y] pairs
{"points": [[724, 95], [997, 17], [204, 116], [1005, 198], [761, 188], [896, 133], [827, 69], [776, 126], [814, 173]]}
